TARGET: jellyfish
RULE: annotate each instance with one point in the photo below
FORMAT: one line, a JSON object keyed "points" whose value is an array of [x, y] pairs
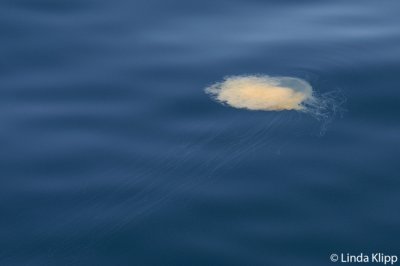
{"points": [[266, 93]]}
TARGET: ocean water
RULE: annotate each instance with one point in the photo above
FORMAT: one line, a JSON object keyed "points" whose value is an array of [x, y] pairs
{"points": [[112, 154]]}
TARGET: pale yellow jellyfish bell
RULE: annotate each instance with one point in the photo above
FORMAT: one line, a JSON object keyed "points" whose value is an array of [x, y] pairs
{"points": [[263, 93]]}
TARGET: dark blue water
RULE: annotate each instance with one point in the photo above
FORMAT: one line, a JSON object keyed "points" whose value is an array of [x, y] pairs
{"points": [[112, 154]]}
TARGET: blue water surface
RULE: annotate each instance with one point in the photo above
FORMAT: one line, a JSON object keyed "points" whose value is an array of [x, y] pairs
{"points": [[112, 154]]}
